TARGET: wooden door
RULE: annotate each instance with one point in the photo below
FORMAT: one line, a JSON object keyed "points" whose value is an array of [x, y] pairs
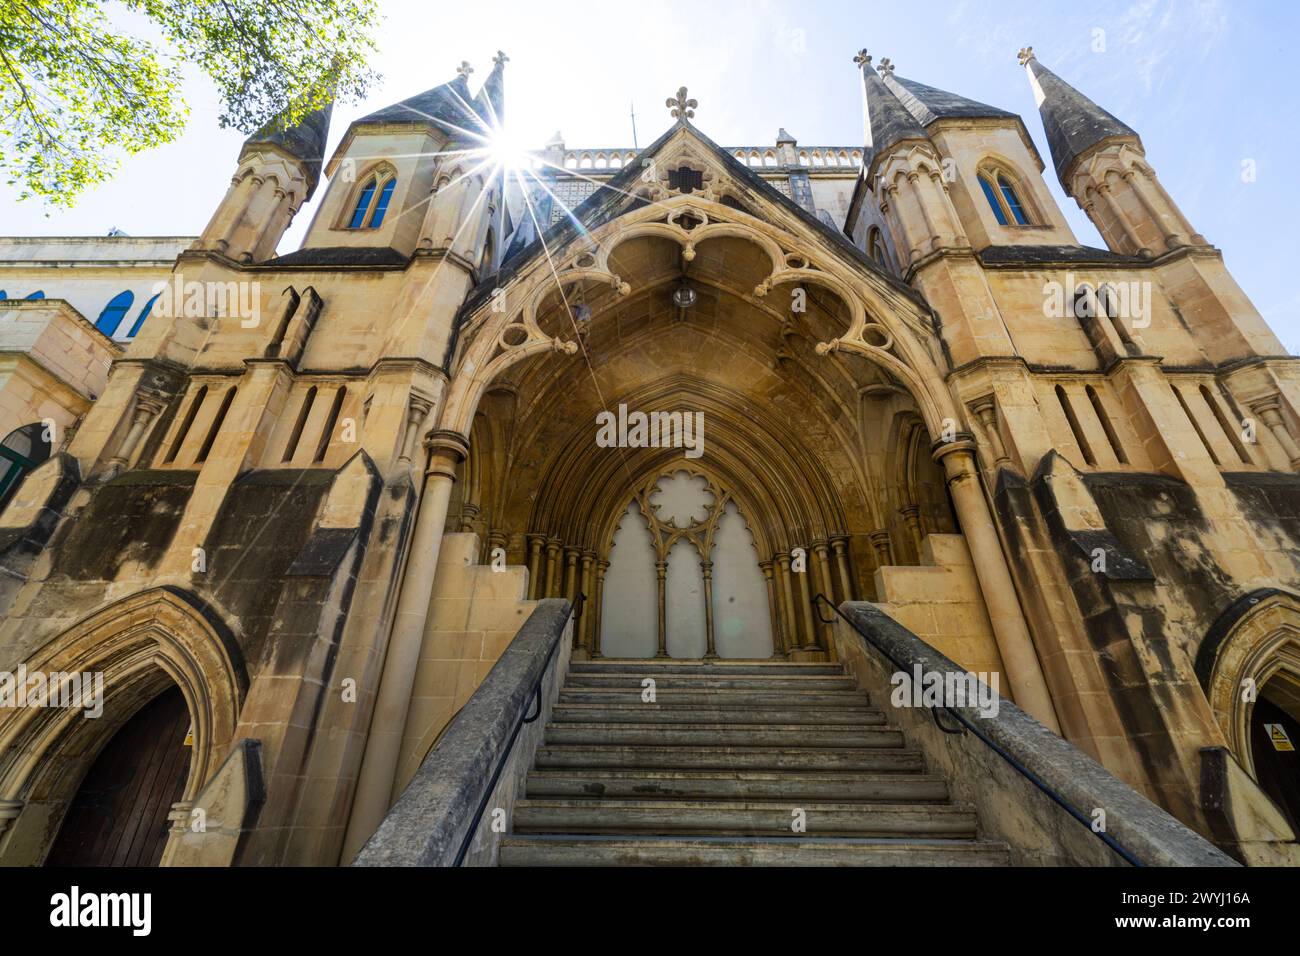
{"points": [[119, 815]]}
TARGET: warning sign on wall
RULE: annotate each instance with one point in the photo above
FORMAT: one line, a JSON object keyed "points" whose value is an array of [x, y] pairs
{"points": [[1277, 736]]}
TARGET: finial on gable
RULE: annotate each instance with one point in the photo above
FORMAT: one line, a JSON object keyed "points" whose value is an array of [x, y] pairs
{"points": [[1025, 55], [682, 108], [886, 67], [500, 59], [863, 59], [464, 69]]}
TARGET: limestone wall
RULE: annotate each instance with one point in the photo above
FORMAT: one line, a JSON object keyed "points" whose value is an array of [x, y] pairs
{"points": [[474, 614], [940, 602]]}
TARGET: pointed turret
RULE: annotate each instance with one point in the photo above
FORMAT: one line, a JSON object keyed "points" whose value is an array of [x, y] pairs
{"points": [[304, 140], [490, 103], [902, 167], [1102, 165], [885, 121], [278, 169], [1075, 125]]}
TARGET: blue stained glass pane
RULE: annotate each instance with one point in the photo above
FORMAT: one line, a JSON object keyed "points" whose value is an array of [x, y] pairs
{"points": [[992, 197], [144, 314], [114, 313], [1013, 202], [363, 203], [381, 207]]}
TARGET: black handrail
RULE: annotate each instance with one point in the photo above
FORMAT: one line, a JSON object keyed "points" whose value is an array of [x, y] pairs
{"points": [[1016, 765], [534, 701]]}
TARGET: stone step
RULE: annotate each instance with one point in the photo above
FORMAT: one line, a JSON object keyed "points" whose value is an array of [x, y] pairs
{"points": [[539, 850], [656, 757], [742, 818], [688, 735], [652, 667], [666, 713], [737, 784], [718, 696], [703, 682]]}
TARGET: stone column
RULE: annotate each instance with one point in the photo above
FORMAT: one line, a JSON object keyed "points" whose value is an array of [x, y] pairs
{"points": [[416, 412], [552, 554], [383, 746], [840, 545], [586, 586], [773, 611], [1019, 659], [986, 413], [1103, 191], [787, 604], [805, 610], [711, 650], [880, 541], [534, 564], [147, 406], [821, 550], [601, 568], [1269, 411], [570, 591], [661, 572], [912, 517]]}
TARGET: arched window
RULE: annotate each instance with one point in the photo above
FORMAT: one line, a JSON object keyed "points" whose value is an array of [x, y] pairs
{"points": [[1013, 201], [3, 295], [488, 262], [38, 294], [992, 197], [1003, 196], [114, 312], [876, 247], [144, 314], [21, 451], [372, 202]]}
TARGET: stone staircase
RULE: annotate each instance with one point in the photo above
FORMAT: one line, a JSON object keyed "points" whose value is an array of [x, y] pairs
{"points": [[720, 766]]}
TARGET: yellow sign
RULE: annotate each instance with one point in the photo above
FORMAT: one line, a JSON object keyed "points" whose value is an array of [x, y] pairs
{"points": [[189, 737], [1277, 735]]}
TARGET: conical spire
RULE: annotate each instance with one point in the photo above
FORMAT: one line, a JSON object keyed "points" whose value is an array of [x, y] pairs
{"points": [[928, 104], [491, 101], [885, 120], [304, 140], [1074, 123], [449, 106]]}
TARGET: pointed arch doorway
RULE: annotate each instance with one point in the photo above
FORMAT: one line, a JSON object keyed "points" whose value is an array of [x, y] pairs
{"points": [[684, 577], [119, 816]]}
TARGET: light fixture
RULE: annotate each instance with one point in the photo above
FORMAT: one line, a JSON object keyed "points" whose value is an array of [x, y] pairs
{"points": [[684, 296]]}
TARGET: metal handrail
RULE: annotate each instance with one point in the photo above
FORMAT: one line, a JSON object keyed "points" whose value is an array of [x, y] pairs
{"points": [[1016, 765], [534, 701]]}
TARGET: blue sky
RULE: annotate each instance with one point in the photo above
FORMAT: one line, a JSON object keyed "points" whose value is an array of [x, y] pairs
{"points": [[1208, 84]]}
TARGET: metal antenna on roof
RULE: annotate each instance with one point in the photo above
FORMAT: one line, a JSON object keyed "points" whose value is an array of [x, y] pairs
{"points": [[634, 142]]}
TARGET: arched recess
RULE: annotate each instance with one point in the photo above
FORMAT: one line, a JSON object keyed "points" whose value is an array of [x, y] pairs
{"points": [[883, 323], [141, 645], [1251, 652], [920, 502], [783, 337]]}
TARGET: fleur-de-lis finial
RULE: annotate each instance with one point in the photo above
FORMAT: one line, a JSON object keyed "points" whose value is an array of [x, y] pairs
{"points": [[500, 59], [886, 67], [863, 59], [682, 107], [465, 69], [1025, 55]]}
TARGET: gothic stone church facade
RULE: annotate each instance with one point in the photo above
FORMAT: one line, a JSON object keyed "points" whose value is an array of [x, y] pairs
{"points": [[295, 530]]}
